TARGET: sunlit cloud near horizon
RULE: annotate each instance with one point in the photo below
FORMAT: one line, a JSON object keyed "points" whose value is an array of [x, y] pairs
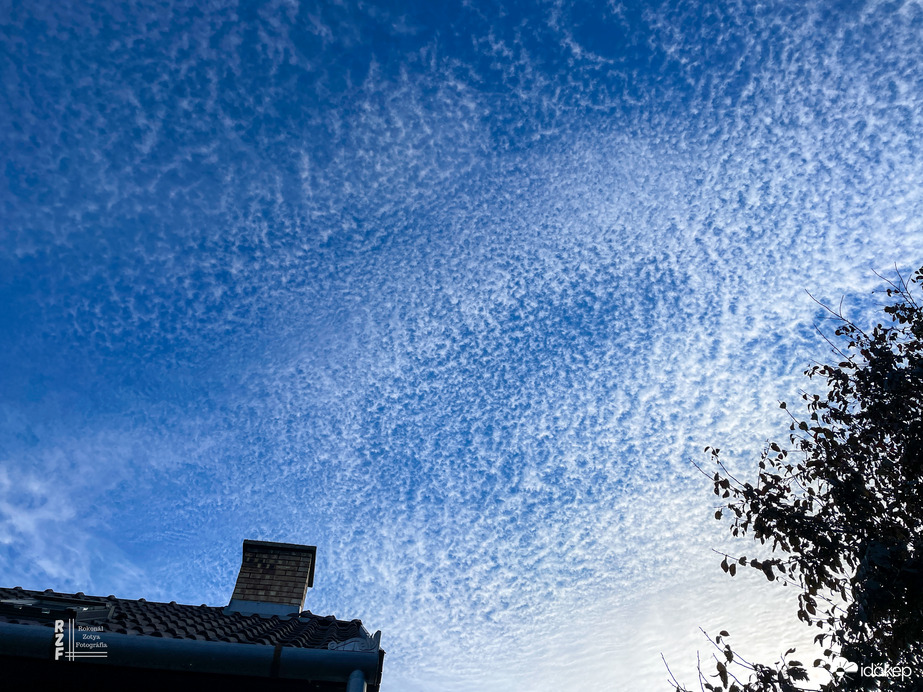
{"points": [[457, 294]]}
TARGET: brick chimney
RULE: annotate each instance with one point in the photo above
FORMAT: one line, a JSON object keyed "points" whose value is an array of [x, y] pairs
{"points": [[274, 578]]}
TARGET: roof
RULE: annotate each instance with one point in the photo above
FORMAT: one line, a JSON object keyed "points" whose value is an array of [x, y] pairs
{"points": [[147, 620], [177, 621]]}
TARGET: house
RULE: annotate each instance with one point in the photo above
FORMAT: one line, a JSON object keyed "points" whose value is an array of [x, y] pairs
{"points": [[261, 640]]}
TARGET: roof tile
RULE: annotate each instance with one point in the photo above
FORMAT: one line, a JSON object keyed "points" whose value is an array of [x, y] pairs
{"points": [[177, 621]]}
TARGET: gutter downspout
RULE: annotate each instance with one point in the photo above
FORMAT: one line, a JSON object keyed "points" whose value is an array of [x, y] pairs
{"points": [[356, 682], [190, 655]]}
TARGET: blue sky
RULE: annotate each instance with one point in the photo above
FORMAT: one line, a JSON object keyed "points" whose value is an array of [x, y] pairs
{"points": [[455, 291]]}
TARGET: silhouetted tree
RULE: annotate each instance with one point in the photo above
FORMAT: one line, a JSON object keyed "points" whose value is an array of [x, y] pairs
{"points": [[841, 507]]}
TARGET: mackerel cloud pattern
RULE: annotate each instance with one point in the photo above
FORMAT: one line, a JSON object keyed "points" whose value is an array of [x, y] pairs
{"points": [[455, 291]]}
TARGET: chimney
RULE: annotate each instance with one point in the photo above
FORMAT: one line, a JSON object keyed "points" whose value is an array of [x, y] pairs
{"points": [[273, 579]]}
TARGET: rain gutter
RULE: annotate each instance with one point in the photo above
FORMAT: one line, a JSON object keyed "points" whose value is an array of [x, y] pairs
{"points": [[356, 668]]}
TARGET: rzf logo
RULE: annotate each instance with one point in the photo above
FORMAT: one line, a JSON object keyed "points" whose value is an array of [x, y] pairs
{"points": [[58, 639]]}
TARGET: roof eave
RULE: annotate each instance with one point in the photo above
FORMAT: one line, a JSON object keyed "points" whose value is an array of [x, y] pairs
{"points": [[255, 660]]}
